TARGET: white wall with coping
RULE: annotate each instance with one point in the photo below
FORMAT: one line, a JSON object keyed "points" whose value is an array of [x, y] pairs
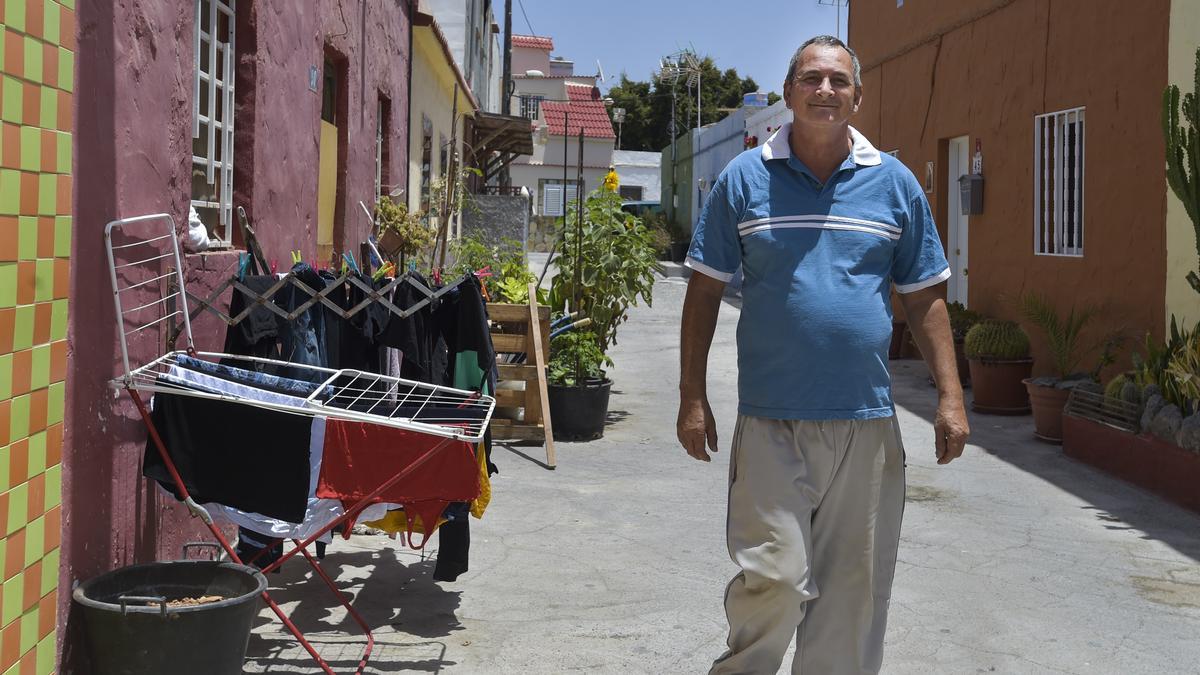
{"points": [[640, 168]]}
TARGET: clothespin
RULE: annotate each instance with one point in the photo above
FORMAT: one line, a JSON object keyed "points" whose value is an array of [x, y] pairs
{"points": [[412, 266], [243, 265], [437, 276], [485, 271], [348, 258], [388, 268], [274, 266], [296, 258]]}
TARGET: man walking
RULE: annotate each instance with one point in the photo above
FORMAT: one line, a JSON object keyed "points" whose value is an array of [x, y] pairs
{"points": [[821, 225]]}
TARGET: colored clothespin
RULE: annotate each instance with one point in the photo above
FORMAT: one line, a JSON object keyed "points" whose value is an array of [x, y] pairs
{"points": [[437, 276], [485, 271], [296, 258], [348, 258], [387, 269], [243, 265], [412, 266], [274, 266]]}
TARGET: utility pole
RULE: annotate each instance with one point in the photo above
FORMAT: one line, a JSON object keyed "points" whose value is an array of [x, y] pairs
{"points": [[506, 81], [506, 77]]}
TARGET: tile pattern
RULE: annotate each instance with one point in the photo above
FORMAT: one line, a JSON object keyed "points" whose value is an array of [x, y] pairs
{"points": [[37, 70]]}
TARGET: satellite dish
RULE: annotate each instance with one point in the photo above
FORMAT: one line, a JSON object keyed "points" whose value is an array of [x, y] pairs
{"points": [[534, 73]]}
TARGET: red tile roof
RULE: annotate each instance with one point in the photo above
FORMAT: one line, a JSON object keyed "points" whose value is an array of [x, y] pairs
{"points": [[581, 92], [590, 115], [534, 41]]}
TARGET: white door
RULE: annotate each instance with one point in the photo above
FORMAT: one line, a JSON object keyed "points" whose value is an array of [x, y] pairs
{"points": [[958, 164]]}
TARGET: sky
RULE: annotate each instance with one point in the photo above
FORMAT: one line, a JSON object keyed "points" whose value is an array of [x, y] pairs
{"points": [[757, 37]]}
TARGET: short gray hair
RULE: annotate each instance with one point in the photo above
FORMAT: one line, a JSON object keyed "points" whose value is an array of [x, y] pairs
{"points": [[826, 41]]}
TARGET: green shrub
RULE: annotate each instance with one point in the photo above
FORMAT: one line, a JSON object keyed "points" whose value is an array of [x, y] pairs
{"points": [[576, 351], [961, 319], [996, 339]]}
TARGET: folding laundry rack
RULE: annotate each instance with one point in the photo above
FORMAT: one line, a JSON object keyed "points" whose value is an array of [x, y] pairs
{"points": [[151, 267]]}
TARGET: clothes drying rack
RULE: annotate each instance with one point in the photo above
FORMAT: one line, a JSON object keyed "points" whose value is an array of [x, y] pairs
{"points": [[150, 296]]}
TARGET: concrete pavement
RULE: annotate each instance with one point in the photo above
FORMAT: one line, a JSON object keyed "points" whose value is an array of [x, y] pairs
{"points": [[1013, 559]]}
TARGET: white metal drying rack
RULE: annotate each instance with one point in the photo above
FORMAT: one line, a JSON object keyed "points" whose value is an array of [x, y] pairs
{"points": [[448, 413], [339, 394]]}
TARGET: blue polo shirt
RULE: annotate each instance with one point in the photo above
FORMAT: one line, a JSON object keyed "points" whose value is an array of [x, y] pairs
{"points": [[818, 263]]}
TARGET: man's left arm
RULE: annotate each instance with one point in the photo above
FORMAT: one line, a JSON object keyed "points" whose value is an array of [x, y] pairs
{"points": [[930, 325]]}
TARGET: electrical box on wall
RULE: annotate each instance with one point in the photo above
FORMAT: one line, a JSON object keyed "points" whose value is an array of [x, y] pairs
{"points": [[970, 192]]}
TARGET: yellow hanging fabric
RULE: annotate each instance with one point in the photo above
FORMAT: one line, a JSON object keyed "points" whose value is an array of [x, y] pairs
{"points": [[480, 503]]}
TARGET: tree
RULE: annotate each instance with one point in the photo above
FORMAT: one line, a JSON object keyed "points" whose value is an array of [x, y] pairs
{"points": [[648, 105]]}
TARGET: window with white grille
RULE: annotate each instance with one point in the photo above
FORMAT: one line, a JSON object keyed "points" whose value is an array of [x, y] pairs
{"points": [[530, 106], [212, 116], [1058, 173]]}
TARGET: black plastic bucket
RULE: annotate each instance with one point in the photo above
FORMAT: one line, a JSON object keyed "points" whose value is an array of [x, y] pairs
{"points": [[578, 413], [131, 630]]}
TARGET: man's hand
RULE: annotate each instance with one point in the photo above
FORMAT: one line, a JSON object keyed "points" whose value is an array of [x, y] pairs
{"points": [[950, 430], [696, 426]]}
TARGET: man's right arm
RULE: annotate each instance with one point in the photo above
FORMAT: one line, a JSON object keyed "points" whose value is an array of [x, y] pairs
{"points": [[695, 425]]}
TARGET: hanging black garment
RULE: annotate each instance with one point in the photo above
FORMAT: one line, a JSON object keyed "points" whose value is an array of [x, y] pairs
{"points": [[454, 549], [412, 335], [256, 334], [463, 323], [302, 340], [234, 454]]}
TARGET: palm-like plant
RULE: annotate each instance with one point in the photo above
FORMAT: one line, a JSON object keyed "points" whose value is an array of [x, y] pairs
{"points": [[1064, 335]]}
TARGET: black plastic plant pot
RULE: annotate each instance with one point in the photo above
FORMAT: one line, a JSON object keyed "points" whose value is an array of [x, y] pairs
{"points": [[578, 412], [156, 618]]}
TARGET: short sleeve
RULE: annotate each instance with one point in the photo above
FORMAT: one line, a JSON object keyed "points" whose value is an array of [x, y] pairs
{"points": [[716, 249], [919, 261]]}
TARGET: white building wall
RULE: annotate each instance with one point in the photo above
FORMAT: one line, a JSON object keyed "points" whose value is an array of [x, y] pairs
{"points": [[762, 123], [718, 144], [640, 168], [527, 58]]}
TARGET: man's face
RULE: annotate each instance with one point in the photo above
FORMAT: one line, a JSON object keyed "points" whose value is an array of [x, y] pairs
{"points": [[822, 91]]}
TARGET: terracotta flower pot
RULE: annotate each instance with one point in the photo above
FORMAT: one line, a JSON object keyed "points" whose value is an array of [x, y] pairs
{"points": [[997, 388], [1047, 403]]}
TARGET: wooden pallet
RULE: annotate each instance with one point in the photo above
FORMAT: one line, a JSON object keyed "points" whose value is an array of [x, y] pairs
{"points": [[523, 329]]}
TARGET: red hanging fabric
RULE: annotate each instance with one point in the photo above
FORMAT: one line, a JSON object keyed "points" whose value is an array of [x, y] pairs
{"points": [[359, 456]]}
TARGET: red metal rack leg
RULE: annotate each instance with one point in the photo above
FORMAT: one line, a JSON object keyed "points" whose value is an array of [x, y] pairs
{"points": [[345, 603], [183, 491]]}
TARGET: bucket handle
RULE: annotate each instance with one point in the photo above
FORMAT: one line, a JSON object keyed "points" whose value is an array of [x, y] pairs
{"points": [[143, 600], [183, 553]]}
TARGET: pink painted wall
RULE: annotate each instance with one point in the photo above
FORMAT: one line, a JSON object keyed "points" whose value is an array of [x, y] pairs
{"points": [[133, 145]]}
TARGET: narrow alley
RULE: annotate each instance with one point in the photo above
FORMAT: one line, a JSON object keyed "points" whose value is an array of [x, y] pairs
{"points": [[1014, 559]]}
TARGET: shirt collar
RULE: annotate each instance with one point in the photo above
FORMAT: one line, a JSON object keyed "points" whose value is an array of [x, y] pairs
{"points": [[779, 147]]}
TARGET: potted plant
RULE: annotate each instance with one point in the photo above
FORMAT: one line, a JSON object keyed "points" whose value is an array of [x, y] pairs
{"points": [[400, 233], [1048, 394], [961, 321], [1145, 430], [605, 265], [997, 352], [579, 389]]}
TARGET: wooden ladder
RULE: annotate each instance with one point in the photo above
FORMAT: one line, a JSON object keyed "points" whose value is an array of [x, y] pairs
{"points": [[523, 329]]}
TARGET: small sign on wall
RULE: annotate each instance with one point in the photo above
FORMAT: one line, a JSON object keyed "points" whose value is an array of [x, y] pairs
{"points": [[314, 78], [930, 174]]}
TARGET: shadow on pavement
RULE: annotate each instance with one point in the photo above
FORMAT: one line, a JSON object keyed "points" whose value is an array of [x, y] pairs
{"points": [[384, 591], [1121, 505]]}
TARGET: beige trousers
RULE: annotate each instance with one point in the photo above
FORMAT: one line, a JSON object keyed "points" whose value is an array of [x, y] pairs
{"points": [[814, 523]]}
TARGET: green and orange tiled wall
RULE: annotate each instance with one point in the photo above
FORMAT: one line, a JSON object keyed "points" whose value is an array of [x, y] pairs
{"points": [[37, 69]]}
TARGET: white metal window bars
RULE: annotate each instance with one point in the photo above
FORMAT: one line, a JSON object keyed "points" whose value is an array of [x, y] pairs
{"points": [[1058, 182], [531, 106], [212, 113]]}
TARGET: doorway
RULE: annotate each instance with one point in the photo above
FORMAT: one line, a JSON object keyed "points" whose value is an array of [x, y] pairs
{"points": [[957, 164]]}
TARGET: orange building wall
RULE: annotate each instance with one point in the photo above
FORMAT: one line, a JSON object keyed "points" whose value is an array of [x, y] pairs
{"points": [[37, 73], [937, 70]]}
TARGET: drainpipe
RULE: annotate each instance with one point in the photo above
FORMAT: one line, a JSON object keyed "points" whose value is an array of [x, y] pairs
{"points": [[412, 11]]}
